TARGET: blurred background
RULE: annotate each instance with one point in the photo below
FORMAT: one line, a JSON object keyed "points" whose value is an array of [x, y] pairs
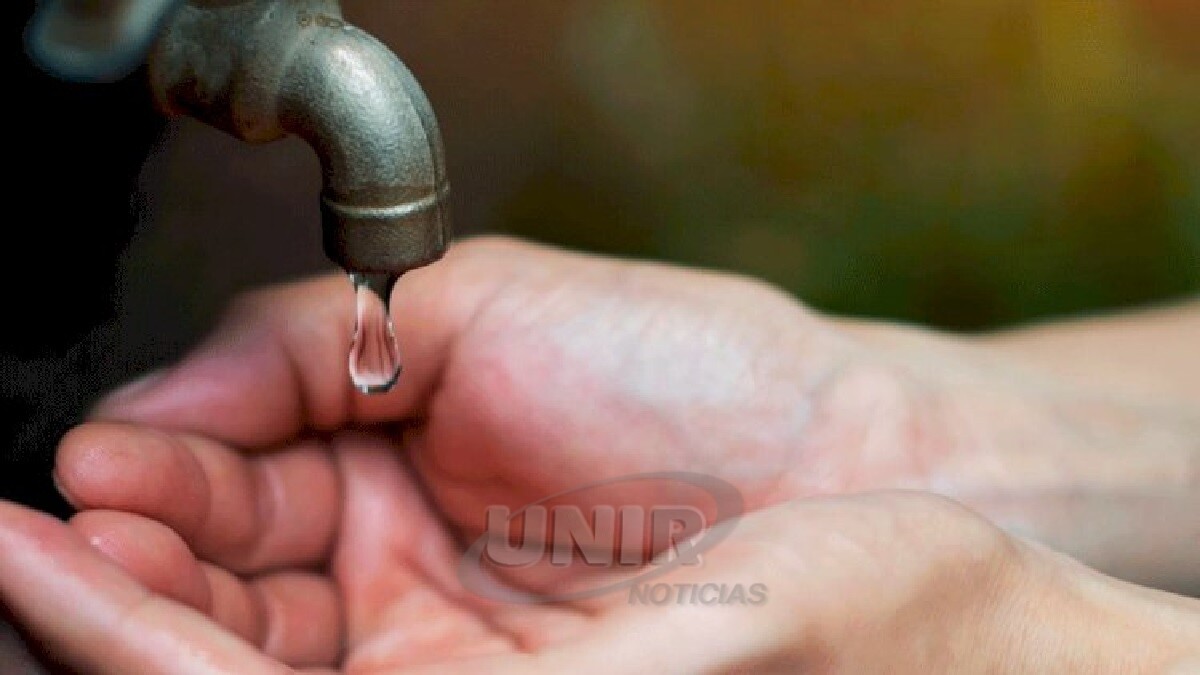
{"points": [[960, 163]]}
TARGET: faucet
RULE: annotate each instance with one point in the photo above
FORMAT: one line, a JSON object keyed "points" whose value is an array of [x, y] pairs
{"points": [[264, 69]]}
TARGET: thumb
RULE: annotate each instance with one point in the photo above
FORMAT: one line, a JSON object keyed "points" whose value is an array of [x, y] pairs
{"points": [[277, 363]]}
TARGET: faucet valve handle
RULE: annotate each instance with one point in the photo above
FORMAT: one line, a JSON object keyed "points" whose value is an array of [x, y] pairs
{"points": [[95, 40]]}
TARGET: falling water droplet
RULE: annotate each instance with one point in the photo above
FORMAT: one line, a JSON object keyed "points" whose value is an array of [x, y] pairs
{"points": [[374, 355]]}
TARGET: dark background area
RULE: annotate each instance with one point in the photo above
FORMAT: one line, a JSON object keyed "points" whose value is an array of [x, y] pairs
{"points": [[964, 164], [75, 152]]}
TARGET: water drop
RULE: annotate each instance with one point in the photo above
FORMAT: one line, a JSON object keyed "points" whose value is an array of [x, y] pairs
{"points": [[374, 354]]}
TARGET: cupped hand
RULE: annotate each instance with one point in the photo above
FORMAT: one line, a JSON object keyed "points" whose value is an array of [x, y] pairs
{"points": [[881, 582], [528, 372]]}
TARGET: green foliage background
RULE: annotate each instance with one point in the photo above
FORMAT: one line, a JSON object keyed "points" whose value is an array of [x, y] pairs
{"points": [[965, 163]]}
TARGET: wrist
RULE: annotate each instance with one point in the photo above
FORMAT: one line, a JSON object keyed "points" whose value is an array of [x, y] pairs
{"points": [[1108, 477], [1060, 616], [994, 422]]}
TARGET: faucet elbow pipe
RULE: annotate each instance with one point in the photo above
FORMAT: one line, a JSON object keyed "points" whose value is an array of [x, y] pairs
{"points": [[263, 69]]}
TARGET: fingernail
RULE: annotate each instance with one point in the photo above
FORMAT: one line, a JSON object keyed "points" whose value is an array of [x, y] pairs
{"points": [[128, 392], [62, 491]]}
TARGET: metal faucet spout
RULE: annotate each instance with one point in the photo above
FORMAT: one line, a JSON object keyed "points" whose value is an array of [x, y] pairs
{"points": [[262, 69]]}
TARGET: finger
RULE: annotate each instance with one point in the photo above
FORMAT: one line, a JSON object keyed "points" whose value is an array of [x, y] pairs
{"points": [[295, 617], [277, 363], [249, 514], [395, 565], [150, 552], [94, 617], [235, 606], [304, 620]]}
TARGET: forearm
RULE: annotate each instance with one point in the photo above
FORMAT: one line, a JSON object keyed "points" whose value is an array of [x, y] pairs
{"points": [[1153, 353]]}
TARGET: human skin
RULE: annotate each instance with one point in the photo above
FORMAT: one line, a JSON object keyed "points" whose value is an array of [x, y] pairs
{"points": [[879, 582], [531, 371]]}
